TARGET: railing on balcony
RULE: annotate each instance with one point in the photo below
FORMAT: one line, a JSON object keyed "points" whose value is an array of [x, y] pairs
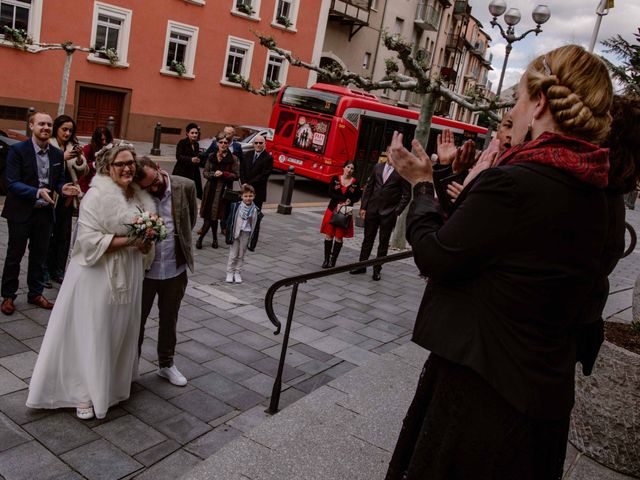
{"points": [[448, 74], [443, 107], [472, 74], [427, 17], [455, 42], [461, 8], [350, 11]]}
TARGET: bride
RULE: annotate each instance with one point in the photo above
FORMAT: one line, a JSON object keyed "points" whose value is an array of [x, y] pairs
{"points": [[88, 357]]}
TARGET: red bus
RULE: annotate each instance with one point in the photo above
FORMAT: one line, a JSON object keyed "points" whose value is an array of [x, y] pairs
{"points": [[317, 129]]}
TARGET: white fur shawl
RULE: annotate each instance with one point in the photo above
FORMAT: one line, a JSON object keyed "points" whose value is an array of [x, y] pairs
{"points": [[105, 213]]}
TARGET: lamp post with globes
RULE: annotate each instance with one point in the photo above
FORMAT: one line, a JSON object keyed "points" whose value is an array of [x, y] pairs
{"points": [[512, 17]]}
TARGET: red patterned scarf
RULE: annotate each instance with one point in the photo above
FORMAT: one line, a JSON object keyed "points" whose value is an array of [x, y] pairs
{"points": [[585, 161]]}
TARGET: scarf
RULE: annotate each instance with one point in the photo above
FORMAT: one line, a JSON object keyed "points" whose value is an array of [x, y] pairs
{"points": [[587, 162], [246, 211]]}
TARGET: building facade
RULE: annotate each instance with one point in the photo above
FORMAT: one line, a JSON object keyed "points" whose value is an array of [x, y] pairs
{"points": [[172, 63], [443, 34]]}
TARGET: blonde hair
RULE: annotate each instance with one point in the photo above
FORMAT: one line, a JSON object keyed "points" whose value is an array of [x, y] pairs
{"points": [[579, 90], [106, 156]]}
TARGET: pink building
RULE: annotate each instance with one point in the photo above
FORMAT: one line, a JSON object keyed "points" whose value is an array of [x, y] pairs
{"points": [[174, 61]]}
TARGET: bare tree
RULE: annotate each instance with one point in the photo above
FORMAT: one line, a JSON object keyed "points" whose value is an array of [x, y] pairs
{"points": [[418, 79], [22, 41]]}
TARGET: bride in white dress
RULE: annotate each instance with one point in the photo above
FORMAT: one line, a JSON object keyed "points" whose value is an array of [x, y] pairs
{"points": [[89, 353]]}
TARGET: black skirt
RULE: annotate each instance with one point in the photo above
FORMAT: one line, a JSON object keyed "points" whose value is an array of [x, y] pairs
{"points": [[458, 427]]}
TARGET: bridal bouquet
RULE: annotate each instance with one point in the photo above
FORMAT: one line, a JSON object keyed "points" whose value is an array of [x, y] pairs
{"points": [[148, 226]]}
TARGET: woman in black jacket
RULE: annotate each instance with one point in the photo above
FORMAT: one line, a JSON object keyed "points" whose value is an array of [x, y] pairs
{"points": [[344, 190], [188, 161], [509, 273]]}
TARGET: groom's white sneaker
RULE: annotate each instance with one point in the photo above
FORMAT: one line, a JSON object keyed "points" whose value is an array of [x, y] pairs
{"points": [[173, 375]]}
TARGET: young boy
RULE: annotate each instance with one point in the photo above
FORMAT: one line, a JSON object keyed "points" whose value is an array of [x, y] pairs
{"points": [[243, 226]]}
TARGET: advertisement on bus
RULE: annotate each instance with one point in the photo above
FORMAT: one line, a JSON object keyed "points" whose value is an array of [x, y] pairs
{"points": [[311, 134]]}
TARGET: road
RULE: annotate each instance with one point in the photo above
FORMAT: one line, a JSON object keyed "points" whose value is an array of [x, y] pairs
{"points": [[305, 190]]}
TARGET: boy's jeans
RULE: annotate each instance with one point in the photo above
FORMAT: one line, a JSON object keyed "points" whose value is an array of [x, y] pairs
{"points": [[237, 251]]}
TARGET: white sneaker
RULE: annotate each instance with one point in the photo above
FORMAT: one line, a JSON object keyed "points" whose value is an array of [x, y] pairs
{"points": [[173, 375], [229, 278], [237, 277]]}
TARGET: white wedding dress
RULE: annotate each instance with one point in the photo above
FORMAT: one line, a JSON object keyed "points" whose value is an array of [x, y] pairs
{"points": [[90, 349]]}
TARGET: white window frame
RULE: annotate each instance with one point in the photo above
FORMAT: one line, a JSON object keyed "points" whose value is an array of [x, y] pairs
{"points": [[255, 4], [284, 67], [196, 2], [190, 53], [246, 63], [35, 21], [123, 14], [295, 6]]}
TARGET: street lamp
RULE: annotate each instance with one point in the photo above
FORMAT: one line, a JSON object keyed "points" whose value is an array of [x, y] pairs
{"points": [[512, 17]]}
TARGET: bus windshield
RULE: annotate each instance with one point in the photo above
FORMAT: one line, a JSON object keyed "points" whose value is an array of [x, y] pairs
{"points": [[314, 100]]}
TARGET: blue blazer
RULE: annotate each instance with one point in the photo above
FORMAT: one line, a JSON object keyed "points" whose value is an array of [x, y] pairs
{"points": [[22, 179]]}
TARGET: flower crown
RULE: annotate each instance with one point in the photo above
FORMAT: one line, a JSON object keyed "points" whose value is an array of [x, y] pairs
{"points": [[102, 154]]}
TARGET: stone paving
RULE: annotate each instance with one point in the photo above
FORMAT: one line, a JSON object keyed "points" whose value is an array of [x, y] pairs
{"points": [[227, 350]]}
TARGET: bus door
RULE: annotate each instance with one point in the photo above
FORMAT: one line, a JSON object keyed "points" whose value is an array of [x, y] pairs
{"points": [[369, 148]]}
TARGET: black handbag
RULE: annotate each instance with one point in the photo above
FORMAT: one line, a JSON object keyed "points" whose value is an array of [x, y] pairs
{"points": [[230, 195], [341, 217]]}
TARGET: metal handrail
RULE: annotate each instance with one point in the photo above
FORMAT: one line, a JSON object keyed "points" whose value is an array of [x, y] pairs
{"points": [[295, 281], [298, 279]]}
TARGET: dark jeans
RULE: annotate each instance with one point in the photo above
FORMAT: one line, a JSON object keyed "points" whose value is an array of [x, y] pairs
{"points": [[170, 293], [60, 239], [372, 222], [36, 231]]}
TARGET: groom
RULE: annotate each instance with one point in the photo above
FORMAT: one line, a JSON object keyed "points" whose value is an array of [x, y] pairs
{"points": [[175, 198]]}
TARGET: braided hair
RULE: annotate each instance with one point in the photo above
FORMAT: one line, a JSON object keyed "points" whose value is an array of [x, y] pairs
{"points": [[578, 88]]}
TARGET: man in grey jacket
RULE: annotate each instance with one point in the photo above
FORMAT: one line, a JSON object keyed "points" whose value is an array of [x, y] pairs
{"points": [[175, 198]]}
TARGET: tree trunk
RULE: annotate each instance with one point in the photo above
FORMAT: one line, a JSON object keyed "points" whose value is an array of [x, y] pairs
{"points": [[65, 82], [399, 241]]}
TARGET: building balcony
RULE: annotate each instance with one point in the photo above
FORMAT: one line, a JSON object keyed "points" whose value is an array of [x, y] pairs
{"points": [[448, 74], [427, 17], [472, 74], [455, 42], [350, 11], [443, 107], [461, 9]]}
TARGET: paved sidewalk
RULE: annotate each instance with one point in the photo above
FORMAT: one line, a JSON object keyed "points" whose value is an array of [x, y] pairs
{"points": [[346, 429], [227, 349]]}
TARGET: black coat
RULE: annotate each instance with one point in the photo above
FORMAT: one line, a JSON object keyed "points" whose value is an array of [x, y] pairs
{"points": [[256, 173], [509, 274], [353, 193], [385, 198], [184, 167]]}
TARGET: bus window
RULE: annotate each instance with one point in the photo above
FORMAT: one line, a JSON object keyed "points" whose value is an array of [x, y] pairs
{"points": [[285, 124], [311, 134], [313, 100]]}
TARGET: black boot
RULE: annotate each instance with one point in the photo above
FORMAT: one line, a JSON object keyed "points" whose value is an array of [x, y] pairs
{"points": [[334, 254], [199, 242], [376, 272], [328, 244], [214, 232]]}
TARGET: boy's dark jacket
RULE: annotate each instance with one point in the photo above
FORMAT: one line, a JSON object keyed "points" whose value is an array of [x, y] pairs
{"points": [[231, 223]]}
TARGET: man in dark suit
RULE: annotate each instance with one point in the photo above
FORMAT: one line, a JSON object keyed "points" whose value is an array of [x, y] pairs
{"points": [[167, 278], [255, 168], [34, 169], [385, 197]]}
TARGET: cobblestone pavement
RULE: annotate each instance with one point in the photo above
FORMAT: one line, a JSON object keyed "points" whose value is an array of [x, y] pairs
{"points": [[227, 350]]}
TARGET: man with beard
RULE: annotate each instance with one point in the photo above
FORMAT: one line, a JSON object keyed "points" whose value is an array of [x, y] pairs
{"points": [[175, 198]]}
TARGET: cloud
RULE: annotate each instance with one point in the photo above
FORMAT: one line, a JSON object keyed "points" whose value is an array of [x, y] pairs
{"points": [[572, 21]]}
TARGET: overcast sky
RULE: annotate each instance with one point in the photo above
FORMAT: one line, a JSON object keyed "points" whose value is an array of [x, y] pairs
{"points": [[572, 21]]}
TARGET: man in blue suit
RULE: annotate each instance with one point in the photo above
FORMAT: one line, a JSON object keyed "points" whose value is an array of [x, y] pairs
{"points": [[34, 170]]}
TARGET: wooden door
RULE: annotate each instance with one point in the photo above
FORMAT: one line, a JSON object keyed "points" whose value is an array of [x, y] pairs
{"points": [[95, 106]]}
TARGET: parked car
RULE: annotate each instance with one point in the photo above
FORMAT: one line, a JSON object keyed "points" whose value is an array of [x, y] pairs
{"points": [[7, 138], [244, 135]]}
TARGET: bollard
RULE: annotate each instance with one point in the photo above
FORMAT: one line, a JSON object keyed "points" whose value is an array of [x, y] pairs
{"points": [[157, 132], [30, 112], [287, 192], [111, 125]]}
